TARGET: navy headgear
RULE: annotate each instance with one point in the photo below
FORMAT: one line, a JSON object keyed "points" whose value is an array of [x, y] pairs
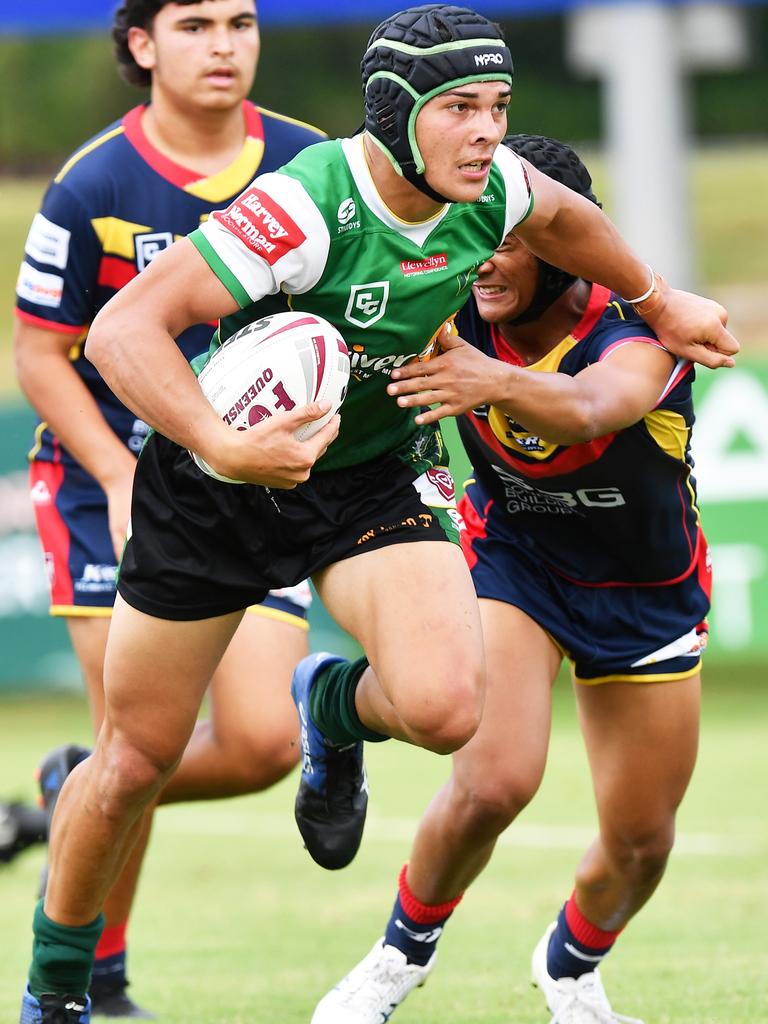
{"points": [[560, 162]]}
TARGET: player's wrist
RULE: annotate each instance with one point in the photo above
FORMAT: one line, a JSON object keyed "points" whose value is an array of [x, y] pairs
{"points": [[220, 446], [653, 299], [504, 382], [118, 467]]}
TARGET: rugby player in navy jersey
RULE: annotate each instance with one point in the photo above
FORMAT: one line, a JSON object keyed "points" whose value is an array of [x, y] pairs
{"points": [[584, 542], [381, 234], [118, 201]]}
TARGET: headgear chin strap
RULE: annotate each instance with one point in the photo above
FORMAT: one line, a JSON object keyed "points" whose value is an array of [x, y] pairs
{"points": [[413, 56]]}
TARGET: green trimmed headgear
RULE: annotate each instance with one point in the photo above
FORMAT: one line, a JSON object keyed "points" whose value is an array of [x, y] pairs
{"points": [[413, 56]]}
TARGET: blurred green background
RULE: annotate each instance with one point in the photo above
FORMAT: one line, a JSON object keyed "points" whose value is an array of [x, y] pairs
{"points": [[67, 89], [249, 935]]}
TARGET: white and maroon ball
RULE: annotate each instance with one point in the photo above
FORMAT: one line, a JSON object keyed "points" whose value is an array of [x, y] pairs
{"points": [[274, 365]]}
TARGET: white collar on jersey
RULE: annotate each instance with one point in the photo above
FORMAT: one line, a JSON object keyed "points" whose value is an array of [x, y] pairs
{"points": [[355, 156]]}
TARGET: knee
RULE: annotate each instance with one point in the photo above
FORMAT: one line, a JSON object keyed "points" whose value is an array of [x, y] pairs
{"points": [[444, 719], [130, 774], [641, 854], [257, 763], [489, 803]]}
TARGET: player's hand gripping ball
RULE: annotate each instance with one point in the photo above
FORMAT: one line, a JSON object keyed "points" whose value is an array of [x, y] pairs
{"points": [[274, 365]]}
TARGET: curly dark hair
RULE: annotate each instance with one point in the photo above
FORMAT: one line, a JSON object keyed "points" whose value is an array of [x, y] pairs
{"points": [[135, 14]]}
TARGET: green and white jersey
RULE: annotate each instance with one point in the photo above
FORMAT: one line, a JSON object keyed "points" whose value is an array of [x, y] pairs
{"points": [[318, 232]]}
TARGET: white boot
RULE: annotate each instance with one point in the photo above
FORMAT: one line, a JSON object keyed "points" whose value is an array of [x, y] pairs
{"points": [[373, 990], [573, 1000]]}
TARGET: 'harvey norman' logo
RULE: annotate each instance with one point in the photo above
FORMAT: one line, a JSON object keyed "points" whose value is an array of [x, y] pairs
{"points": [[262, 225]]}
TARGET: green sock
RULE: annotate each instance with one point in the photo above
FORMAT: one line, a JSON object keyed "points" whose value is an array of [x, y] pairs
{"points": [[62, 957], [332, 704]]}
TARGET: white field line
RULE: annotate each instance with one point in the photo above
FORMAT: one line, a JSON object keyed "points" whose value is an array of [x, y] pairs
{"points": [[199, 819]]}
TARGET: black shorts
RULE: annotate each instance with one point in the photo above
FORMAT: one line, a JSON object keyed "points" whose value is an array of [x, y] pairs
{"points": [[200, 548]]}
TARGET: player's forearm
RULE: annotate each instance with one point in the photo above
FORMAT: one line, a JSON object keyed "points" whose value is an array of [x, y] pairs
{"points": [[62, 400], [144, 367], [552, 405], [579, 238]]}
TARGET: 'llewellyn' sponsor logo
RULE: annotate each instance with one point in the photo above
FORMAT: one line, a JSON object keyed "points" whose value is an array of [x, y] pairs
{"points": [[426, 266]]}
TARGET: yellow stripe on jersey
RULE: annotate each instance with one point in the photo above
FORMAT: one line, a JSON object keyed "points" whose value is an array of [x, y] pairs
{"points": [[234, 178], [85, 151], [669, 430], [292, 120], [521, 440], [117, 236], [37, 444], [550, 363]]}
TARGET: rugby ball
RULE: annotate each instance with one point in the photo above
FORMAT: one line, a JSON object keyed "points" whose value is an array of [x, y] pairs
{"points": [[274, 365]]}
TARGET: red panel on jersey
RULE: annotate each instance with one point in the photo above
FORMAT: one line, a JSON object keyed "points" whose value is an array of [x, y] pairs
{"points": [[115, 273], [567, 459], [262, 225]]}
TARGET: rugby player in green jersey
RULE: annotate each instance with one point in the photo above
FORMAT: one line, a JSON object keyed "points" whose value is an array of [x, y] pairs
{"points": [[382, 234]]}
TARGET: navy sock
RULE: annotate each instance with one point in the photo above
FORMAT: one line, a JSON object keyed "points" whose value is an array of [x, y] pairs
{"points": [[576, 946], [415, 927], [109, 972]]}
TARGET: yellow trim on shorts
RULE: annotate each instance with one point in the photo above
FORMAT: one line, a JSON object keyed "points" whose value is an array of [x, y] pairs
{"points": [[281, 616], [650, 677], [79, 611], [85, 612]]}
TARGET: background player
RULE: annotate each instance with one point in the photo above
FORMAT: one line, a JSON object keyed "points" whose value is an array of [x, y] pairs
{"points": [[583, 538], [119, 200], [427, 155]]}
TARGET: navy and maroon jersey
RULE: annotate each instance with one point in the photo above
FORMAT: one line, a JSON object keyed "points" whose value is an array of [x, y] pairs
{"points": [[112, 207], [617, 510]]}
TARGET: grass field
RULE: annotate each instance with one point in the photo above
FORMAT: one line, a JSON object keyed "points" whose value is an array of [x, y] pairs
{"points": [[235, 924]]}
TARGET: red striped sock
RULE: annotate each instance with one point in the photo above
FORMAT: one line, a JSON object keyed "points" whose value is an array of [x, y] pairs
{"points": [[423, 913], [112, 941], [587, 933]]}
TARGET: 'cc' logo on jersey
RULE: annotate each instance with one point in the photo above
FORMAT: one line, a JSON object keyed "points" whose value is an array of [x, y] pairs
{"points": [[367, 303]]}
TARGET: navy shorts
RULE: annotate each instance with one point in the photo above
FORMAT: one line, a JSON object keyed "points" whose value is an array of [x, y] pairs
{"points": [[609, 633], [72, 522]]}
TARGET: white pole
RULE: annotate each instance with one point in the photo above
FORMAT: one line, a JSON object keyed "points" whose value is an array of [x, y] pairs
{"points": [[634, 46], [648, 139]]}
